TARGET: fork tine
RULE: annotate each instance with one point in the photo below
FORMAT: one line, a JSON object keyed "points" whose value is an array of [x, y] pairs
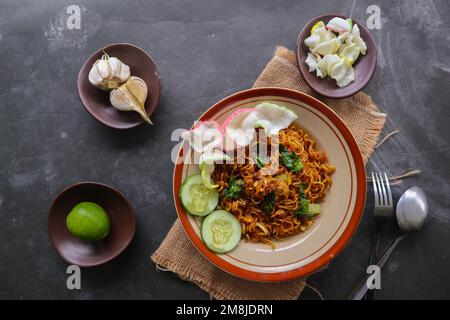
{"points": [[383, 190], [389, 192], [380, 192], [375, 190]]}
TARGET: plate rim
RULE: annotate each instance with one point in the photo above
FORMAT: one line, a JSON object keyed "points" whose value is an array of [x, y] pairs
{"points": [[349, 230]]}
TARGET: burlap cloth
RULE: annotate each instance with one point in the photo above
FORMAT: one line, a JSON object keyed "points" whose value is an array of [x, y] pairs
{"points": [[177, 254]]}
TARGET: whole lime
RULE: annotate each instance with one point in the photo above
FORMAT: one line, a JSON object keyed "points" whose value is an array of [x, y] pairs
{"points": [[88, 221]]}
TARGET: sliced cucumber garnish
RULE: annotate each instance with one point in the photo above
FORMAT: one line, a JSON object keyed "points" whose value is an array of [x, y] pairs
{"points": [[196, 198], [221, 231]]}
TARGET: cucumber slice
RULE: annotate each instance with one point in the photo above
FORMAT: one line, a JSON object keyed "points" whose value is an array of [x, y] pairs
{"points": [[221, 231], [196, 198]]}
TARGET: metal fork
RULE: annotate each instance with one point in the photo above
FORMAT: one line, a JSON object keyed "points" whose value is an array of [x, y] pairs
{"points": [[383, 212]]}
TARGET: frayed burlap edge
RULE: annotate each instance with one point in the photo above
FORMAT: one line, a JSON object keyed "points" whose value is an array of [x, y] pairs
{"points": [[178, 255], [217, 291]]}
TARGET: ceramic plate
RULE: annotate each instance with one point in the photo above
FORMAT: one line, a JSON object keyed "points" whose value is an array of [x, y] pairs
{"points": [[299, 255]]}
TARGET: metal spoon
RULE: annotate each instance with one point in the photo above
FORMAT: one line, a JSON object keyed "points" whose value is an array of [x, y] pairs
{"points": [[411, 213]]}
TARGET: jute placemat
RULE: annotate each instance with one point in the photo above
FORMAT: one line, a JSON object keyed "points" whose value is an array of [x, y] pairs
{"points": [[177, 254]]}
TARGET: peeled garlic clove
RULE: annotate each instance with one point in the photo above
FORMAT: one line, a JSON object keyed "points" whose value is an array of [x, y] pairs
{"points": [[131, 96], [108, 73]]}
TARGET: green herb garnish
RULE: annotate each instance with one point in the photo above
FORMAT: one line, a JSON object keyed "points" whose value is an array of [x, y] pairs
{"points": [[262, 161], [301, 191], [268, 203], [307, 209], [290, 159], [234, 189]]}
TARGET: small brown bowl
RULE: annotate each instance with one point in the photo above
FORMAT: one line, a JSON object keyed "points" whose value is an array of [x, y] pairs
{"points": [[85, 253], [96, 101], [364, 67]]}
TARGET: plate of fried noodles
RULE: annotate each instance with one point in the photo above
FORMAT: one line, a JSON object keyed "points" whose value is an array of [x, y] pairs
{"points": [[269, 184]]}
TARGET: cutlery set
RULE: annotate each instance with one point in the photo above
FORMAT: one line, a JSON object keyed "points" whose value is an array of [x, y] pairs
{"points": [[411, 214]]}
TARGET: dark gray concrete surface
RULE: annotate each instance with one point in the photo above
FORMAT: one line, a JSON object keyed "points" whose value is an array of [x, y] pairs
{"points": [[205, 50]]}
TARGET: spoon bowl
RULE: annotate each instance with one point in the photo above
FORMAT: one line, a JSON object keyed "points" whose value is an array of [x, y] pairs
{"points": [[412, 210]]}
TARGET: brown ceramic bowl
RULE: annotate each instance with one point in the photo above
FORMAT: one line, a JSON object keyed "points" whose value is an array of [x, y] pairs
{"points": [[364, 67], [86, 253], [96, 101]]}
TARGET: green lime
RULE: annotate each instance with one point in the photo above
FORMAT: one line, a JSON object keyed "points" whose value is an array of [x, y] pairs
{"points": [[88, 221]]}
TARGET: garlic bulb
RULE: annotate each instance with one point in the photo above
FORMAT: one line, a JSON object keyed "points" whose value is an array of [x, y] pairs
{"points": [[108, 73], [131, 96]]}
